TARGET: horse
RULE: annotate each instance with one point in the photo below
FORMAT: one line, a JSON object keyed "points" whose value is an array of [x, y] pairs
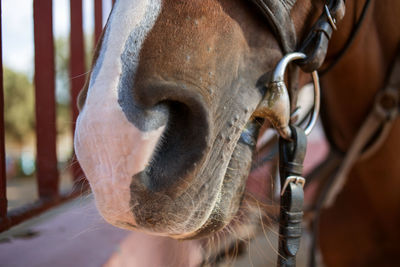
{"points": [[173, 86]]}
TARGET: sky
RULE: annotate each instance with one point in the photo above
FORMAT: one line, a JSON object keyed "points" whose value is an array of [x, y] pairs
{"points": [[17, 29]]}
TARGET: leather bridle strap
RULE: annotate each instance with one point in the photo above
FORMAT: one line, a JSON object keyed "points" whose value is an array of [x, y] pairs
{"points": [[349, 41], [292, 148], [315, 45], [291, 157], [278, 15]]}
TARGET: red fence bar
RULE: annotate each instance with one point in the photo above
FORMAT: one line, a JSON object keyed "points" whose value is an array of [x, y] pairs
{"points": [[98, 20], [77, 54], [3, 195], [47, 173], [76, 67]]}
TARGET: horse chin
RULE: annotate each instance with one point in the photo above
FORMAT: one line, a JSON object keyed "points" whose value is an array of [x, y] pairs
{"points": [[195, 211], [231, 193]]}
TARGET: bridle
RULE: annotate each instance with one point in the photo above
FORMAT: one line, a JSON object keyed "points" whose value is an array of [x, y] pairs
{"points": [[309, 55], [276, 107]]}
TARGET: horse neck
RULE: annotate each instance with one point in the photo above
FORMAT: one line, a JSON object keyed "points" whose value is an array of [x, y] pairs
{"points": [[350, 86], [348, 93]]}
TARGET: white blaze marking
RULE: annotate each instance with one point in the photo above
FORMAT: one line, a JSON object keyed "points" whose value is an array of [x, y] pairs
{"points": [[109, 148]]}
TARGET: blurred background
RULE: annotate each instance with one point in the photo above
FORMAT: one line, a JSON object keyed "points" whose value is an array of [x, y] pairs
{"points": [[18, 47], [46, 48]]}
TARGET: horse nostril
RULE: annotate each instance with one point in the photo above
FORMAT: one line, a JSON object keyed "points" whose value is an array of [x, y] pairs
{"points": [[182, 144], [144, 118]]}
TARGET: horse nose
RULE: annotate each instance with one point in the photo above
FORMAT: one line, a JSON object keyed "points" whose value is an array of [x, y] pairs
{"points": [[183, 144]]}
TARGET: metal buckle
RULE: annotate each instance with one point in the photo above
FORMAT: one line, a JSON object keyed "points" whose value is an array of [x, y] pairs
{"points": [[331, 20], [296, 179]]}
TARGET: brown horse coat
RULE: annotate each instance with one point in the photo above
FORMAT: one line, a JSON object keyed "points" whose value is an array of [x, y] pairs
{"points": [[172, 87]]}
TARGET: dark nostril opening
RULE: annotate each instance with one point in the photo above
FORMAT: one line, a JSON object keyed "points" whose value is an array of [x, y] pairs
{"points": [[181, 146]]}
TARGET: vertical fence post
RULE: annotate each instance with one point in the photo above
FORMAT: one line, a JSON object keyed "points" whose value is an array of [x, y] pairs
{"points": [[98, 20], [3, 195], [47, 173], [77, 72]]}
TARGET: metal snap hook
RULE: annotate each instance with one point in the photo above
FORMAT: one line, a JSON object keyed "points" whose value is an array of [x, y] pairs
{"points": [[277, 99]]}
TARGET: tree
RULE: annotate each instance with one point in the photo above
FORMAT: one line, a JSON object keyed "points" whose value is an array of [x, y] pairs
{"points": [[18, 107]]}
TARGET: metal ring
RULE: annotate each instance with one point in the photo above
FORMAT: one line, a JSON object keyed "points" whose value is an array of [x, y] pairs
{"points": [[314, 115], [280, 69], [279, 76]]}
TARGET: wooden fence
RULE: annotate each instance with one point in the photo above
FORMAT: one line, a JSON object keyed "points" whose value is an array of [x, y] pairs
{"points": [[47, 175]]}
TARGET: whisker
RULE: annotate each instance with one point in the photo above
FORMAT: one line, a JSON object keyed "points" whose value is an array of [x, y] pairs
{"points": [[266, 236]]}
